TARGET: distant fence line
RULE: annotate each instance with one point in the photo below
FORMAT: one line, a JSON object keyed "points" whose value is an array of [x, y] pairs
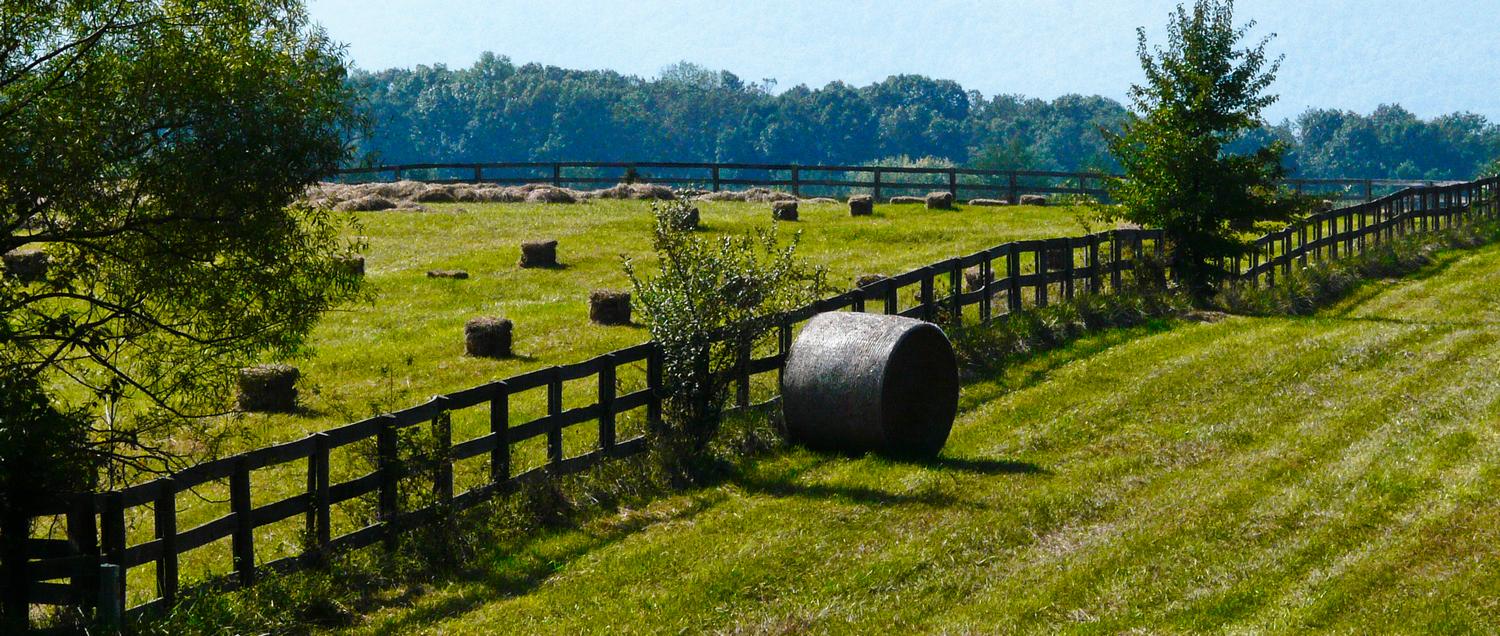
{"points": [[89, 568], [800, 179]]}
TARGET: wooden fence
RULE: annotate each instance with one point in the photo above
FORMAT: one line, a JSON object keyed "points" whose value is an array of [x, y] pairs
{"points": [[815, 180], [89, 568]]}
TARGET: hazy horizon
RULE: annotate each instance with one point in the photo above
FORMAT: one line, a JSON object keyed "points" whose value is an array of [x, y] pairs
{"points": [[1430, 62]]}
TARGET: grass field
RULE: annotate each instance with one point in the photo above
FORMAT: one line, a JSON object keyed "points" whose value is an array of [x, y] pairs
{"points": [[408, 344], [1332, 473]]}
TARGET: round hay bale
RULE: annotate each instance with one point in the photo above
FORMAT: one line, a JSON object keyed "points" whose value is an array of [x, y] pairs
{"points": [[1033, 199], [27, 266], [687, 220], [539, 254], [866, 280], [899, 200], [724, 195], [784, 210], [648, 191], [861, 205], [368, 203], [351, 264], [607, 307], [939, 200], [988, 202], [549, 194], [456, 274], [268, 388], [436, 194], [487, 337], [857, 382], [973, 281]]}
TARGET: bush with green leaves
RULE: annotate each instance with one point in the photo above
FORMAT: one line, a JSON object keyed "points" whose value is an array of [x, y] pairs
{"points": [[710, 301]]}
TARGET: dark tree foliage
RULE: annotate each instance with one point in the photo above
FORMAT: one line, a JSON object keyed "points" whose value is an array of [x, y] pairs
{"points": [[153, 151], [1201, 94], [497, 111]]}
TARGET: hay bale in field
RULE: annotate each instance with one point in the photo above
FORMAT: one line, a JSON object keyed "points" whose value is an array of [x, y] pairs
{"points": [[974, 281], [763, 195], [900, 200], [608, 307], [1033, 199], [368, 203], [724, 195], [397, 190], [487, 337], [650, 191], [455, 274], [988, 202], [861, 205], [866, 280], [436, 194], [268, 388], [618, 191], [784, 210], [27, 266], [821, 201], [939, 200], [857, 382], [539, 254], [549, 194], [351, 264], [497, 195]]}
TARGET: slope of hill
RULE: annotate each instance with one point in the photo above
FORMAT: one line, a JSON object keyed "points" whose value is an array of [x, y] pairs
{"points": [[1256, 474]]}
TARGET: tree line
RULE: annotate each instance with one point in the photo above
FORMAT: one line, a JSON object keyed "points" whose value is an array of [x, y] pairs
{"points": [[497, 110]]}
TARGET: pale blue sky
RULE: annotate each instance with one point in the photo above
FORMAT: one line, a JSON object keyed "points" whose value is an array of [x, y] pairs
{"points": [[1431, 57]]}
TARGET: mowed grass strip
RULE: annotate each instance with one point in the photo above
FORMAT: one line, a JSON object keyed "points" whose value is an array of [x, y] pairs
{"points": [[408, 344], [1254, 475]]}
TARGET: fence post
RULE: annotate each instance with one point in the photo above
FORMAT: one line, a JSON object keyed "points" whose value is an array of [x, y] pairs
{"points": [[110, 612], [388, 463], [554, 410], [166, 533], [953, 182], [319, 524], [83, 532], [500, 428], [1015, 190], [242, 540], [986, 276], [1069, 268], [715, 172], [1369, 190], [876, 172], [796, 181], [892, 301], [654, 386], [607, 403], [929, 308], [556, 175], [1114, 260], [742, 385], [1095, 280], [112, 537], [1013, 271], [442, 478], [956, 287], [478, 174], [1040, 255]]}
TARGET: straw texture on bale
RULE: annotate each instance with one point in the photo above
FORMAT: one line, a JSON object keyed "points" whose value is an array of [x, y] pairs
{"points": [[370, 203], [26, 266], [548, 194], [608, 307], [270, 388], [861, 205], [988, 202], [784, 210], [939, 200], [539, 254], [857, 382], [1033, 199], [487, 337]]}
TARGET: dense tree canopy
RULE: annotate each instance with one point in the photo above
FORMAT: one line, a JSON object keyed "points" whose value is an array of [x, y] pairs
{"points": [[498, 111], [152, 152]]}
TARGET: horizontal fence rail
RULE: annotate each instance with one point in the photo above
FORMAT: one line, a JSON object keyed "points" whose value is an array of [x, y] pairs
{"points": [[802, 180], [976, 288]]}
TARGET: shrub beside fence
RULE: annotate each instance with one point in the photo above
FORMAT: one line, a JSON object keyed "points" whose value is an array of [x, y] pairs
{"points": [[1009, 277]]}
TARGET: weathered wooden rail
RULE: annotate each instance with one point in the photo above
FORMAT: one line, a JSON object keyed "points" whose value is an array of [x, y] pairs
{"points": [[800, 179], [89, 567]]}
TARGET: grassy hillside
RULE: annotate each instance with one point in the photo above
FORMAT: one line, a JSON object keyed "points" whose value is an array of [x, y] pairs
{"points": [[1252, 475], [408, 344]]}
